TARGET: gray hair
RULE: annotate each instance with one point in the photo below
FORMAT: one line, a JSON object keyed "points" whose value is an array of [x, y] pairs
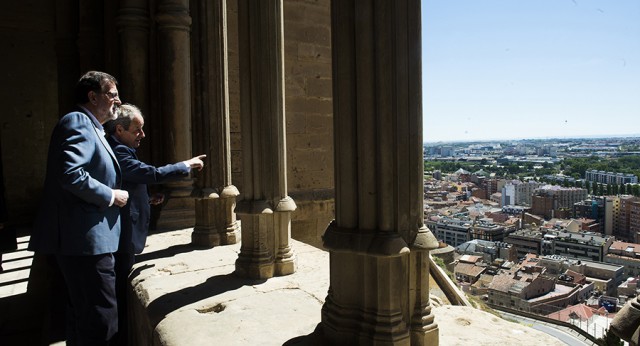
{"points": [[126, 113]]}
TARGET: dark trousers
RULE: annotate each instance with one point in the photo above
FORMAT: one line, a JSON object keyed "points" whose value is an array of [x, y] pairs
{"points": [[92, 314], [124, 263]]}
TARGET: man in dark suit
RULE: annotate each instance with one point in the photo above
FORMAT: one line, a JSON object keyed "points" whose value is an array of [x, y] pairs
{"points": [[79, 218], [124, 135]]}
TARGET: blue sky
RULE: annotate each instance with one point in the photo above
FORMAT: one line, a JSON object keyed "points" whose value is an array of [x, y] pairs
{"points": [[512, 69]]}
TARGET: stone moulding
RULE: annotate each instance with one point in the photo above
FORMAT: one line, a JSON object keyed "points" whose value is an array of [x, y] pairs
{"points": [[375, 243]]}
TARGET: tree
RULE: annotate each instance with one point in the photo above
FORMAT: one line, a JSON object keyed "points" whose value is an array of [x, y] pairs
{"points": [[599, 189]]}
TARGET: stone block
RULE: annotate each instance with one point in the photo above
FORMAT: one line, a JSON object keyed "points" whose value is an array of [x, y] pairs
{"points": [[295, 86], [310, 69], [309, 160], [301, 11], [236, 161], [296, 123], [313, 105], [319, 87], [310, 220], [321, 124], [311, 180], [235, 141], [310, 33]]}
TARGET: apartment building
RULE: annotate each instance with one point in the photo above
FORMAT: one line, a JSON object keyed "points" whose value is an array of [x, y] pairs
{"points": [[486, 229], [600, 209], [488, 250], [610, 177], [516, 192], [605, 276], [626, 255], [627, 225], [555, 201], [525, 241], [579, 245], [547, 284], [513, 289], [452, 231]]}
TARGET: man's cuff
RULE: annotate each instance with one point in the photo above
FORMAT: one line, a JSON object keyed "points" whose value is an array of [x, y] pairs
{"points": [[113, 197], [188, 166]]}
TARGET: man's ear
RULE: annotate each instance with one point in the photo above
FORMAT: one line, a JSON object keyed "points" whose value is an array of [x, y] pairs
{"points": [[120, 129], [93, 99]]}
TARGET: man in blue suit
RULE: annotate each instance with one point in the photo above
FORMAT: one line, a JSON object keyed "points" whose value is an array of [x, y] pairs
{"points": [[124, 135], [79, 218]]}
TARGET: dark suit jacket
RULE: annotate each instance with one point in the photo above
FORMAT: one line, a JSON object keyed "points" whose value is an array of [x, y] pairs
{"points": [[135, 177], [75, 217]]}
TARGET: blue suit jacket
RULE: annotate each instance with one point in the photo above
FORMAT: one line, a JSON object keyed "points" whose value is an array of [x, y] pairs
{"points": [[75, 217], [135, 177]]}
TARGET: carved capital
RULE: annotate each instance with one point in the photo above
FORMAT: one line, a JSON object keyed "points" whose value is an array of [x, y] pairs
{"points": [[173, 16], [132, 19], [373, 243]]}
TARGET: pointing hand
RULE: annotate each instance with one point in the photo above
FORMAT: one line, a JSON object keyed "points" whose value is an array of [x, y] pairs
{"points": [[196, 162]]}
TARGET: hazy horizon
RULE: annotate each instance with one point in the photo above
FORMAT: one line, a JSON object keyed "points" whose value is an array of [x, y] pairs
{"points": [[590, 137], [537, 69]]}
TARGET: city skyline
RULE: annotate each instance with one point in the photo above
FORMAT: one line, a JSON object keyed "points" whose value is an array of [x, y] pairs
{"points": [[499, 70]]}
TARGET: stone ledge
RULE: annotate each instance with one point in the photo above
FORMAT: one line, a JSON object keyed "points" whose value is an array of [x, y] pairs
{"points": [[185, 295]]}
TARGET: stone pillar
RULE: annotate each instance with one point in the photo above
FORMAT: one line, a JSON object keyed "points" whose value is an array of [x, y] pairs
{"points": [[626, 324], [133, 29], [265, 210], [174, 66], [378, 244], [66, 53], [216, 222], [91, 35], [133, 25]]}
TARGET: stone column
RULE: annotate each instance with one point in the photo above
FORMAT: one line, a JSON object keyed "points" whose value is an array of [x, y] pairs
{"points": [[133, 24], [626, 324], [91, 35], [216, 222], [133, 29], [265, 210], [379, 246], [66, 53], [174, 67]]}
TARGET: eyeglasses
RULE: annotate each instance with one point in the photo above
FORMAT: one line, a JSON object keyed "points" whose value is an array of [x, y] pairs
{"points": [[112, 95]]}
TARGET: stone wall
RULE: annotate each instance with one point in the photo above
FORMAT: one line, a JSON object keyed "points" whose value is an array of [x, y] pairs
{"points": [[29, 97], [309, 114]]}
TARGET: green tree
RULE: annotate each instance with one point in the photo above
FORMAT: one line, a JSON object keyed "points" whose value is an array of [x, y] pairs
{"points": [[599, 190]]}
